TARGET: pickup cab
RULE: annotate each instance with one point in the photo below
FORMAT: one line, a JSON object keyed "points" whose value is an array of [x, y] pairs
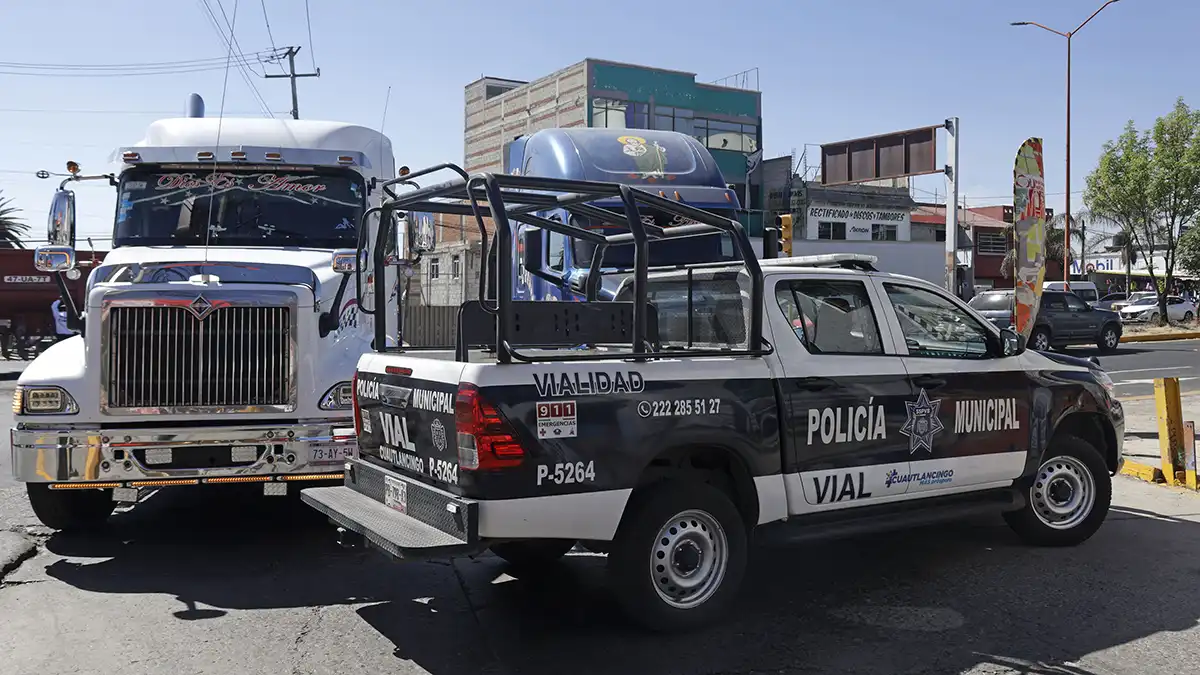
{"points": [[800, 397]]}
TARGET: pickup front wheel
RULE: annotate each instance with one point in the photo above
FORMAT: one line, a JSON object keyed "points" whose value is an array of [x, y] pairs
{"points": [[70, 510], [1069, 498], [679, 556]]}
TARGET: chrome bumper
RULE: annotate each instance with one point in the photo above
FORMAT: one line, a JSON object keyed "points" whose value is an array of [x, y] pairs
{"points": [[42, 454]]}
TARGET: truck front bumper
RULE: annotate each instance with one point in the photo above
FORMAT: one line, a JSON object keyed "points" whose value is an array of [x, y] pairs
{"points": [[164, 457]]}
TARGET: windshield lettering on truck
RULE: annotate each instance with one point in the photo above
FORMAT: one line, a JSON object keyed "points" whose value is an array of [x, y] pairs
{"points": [[317, 209]]}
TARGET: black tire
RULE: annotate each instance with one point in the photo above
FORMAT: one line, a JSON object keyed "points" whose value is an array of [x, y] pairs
{"points": [[1065, 463], [1188, 316], [533, 553], [648, 532], [1110, 339], [1039, 340], [77, 510]]}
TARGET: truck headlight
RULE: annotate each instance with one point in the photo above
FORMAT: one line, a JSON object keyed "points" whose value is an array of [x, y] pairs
{"points": [[339, 397], [43, 400]]}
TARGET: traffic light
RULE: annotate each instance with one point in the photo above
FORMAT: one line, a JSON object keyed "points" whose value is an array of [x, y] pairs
{"points": [[784, 223]]}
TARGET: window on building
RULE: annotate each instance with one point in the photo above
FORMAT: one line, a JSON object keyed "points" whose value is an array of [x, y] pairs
{"points": [[558, 247], [883, 231], [940, 235], [673, 119], [726, 135], [455, 267], [612, 114], [826, 230], [991, 243], [435, 268]]}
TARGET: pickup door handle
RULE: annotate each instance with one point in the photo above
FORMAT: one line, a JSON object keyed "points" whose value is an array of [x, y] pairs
{"points": [[815, 384], [928, 381]]}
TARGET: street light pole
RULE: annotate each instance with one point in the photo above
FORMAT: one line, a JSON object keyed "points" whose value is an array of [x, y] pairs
{"points": [[1067, 206]]}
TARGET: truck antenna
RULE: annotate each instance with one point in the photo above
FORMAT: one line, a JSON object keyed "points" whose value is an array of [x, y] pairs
{"points": [[212, 181]]}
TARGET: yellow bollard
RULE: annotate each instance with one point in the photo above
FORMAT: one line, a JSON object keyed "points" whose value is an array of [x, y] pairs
{"points": [[1170, 428], [1189, 454]]}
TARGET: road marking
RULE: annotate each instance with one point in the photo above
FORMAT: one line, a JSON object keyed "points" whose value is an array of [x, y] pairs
{"points": [[1145, 370], [1181, 379]]}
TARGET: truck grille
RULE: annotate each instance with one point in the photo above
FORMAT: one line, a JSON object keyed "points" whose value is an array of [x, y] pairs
{"points": [[166, 357]]}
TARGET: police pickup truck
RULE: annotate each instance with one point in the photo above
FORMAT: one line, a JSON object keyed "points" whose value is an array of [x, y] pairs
{"points": [[809, 396]]}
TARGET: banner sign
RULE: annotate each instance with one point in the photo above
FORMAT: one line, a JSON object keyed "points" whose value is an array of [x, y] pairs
{"points": [[1029, 233]]}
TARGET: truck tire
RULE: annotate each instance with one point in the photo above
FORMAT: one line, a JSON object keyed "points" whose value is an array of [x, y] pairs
{"points": [[533, 553], [70, 510], [1069, 498], [1110, 338], [1039, 340], [679, 556]]}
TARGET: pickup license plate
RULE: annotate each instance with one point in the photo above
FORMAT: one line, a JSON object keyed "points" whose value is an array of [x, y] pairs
{"points": [[329, 454], [395, 494]]}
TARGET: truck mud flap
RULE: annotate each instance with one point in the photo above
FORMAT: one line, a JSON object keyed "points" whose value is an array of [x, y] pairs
{"points": [[422, 523]]}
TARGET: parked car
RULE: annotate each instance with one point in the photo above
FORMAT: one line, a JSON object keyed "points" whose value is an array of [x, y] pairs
{"points": [[1131, 299], [1063, 320], [1147, 311], [1086, 290], [1107, 301]]}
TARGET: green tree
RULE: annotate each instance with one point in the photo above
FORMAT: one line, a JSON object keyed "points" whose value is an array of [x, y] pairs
{"points": [[1148, 183], [1189, 251], [12, 228]]}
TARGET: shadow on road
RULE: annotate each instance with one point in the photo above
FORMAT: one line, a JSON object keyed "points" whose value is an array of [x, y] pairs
{"points": [[941, 599]]}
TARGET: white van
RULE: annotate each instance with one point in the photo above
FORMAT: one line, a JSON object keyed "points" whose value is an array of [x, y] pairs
{"points": [[1086, 290]]}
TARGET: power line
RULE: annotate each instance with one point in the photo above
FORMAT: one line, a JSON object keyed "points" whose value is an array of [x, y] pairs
{"points": [[270, 36], [231, 44], [312, 53], [42, 111], [153, 65], [198, 69]]}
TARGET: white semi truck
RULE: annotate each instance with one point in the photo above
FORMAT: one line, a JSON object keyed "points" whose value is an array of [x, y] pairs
{"points": [[220, 335]]}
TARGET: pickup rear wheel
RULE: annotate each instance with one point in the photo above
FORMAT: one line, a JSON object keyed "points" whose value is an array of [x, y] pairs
{"points": [[679, 556], [70, 510], [1069, 498], [534, 552], [1110, 337]]}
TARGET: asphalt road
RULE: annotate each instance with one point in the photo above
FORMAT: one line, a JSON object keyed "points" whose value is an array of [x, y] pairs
{"points": [[1134, 365]]}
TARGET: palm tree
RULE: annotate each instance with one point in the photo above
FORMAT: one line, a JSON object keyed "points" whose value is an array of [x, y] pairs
{"points": [[1091, 233], [12, 229], [1054, 246]]}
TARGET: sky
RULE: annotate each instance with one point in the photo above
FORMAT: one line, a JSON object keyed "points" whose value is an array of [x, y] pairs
{"points": [[828, 70]]}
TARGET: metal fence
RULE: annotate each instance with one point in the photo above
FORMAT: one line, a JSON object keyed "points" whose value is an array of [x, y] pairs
{"points": [[430, 325]]}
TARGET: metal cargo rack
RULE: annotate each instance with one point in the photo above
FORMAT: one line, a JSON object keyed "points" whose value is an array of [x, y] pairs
{"points": [[503, 324]]}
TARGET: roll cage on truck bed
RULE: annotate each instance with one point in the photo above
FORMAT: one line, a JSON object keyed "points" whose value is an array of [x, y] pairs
{"points": [[665, 441]]}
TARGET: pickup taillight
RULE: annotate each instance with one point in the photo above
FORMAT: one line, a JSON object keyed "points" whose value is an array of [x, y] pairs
{"points": [[485, 439]]}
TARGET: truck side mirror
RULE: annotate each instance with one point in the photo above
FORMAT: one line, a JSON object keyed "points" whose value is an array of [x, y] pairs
{"points": [[60, 228], [345, 261], [533, 248], [420, 228], [54, 258], [1011, 342]]}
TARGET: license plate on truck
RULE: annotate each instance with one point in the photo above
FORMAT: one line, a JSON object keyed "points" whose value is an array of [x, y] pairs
{"points": [[329, 454], [395, 494]]}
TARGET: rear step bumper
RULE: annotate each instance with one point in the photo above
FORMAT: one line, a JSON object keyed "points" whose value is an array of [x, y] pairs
{"points": [[425, 523]]}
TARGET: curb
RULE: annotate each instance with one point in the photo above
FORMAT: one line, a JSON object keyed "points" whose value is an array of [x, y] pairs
{"points": [[1161, 337], [1144, 472]]}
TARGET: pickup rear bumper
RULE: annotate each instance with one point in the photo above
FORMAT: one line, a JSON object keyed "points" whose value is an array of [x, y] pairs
{"points": [[161, 457], [401, 517]]}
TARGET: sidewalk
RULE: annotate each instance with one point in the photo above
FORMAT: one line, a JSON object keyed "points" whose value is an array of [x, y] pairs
{"points": [[1141, 430]]}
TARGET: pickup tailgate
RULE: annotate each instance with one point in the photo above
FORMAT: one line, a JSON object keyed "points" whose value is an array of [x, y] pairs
{"points": [[402, 493], [407, 417]]}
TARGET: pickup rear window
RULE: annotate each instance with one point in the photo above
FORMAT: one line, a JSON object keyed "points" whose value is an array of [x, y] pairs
{"points": [[717, 317]]}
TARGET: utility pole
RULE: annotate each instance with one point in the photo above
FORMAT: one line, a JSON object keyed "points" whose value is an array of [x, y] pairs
{"points": [[292, 75], [951, 172]]}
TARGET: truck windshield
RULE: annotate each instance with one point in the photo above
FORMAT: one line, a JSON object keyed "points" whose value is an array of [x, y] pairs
{"points": [[310, 208], [709, 248]]}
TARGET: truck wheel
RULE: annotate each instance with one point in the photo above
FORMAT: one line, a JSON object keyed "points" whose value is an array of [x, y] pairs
{"points": [[533, 553], [1069, 498], [70, 510], [1109, 339], [679, 556]]}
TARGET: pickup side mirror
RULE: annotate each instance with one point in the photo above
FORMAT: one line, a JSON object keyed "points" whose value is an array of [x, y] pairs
{"points": [[1011, 343], [54, 258], [60, 226], [532, 237]]}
